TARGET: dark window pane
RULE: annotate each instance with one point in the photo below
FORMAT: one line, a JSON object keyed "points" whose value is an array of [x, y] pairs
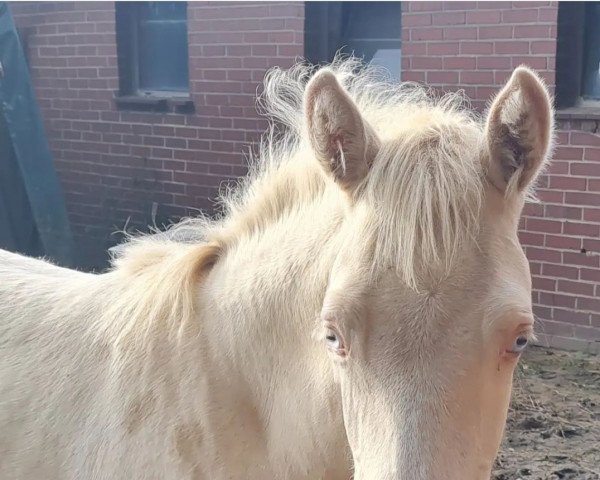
{"points": [[591, 73], [372, 30], [163, 51], [371, 20]]}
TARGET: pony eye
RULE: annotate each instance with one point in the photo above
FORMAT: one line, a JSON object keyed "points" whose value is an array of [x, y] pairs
{"points": [[519, 344], [334, 341]]}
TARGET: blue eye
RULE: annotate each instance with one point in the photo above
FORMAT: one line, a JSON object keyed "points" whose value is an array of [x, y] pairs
{"points": [[333, 340], [519, 344]]}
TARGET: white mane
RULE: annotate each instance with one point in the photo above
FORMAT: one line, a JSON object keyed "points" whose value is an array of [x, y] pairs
{"points": [[426, 184]]}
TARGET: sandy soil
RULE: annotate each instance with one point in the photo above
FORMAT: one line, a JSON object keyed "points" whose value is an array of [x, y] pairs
{"points": [[553, 430]]}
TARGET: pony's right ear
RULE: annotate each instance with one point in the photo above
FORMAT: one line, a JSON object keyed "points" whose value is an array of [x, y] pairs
{"points": [[519, 131], [340, 137]]}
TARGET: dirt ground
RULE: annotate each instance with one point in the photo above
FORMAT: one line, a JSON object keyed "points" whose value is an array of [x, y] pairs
{"points": [[553, 429]]}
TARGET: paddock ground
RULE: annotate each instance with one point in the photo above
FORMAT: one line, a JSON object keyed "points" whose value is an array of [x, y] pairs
{"points": [[553, 430]]}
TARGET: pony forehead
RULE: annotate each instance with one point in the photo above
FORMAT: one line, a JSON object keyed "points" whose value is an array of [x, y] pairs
{"points": [[427, 185]]}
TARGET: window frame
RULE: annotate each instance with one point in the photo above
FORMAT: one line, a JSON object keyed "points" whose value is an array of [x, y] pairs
{"points": [[324, 30], [129, 95], [570, 64]]}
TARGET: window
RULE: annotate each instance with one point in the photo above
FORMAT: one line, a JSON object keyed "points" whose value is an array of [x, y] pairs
{"points": [[370, 30], [152, 48], [591, 62], [578, 55]]}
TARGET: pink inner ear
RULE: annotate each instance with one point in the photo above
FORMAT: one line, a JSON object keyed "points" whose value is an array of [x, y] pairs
{"points": [[338, 132], [519, 125], [338, 159]]}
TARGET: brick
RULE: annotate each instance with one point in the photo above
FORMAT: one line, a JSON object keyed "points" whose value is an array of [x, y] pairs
{"points": [[562, 136], [557, 300], [486, 92], [550, 327], [426, 63], [543, 47], [592, 153], [593, 185], [442, 48], [587, 333], [560, 271], [414, 49], [449, 18], [479, 17], [567, 153], [544, 255], [512, 47], [413, 76], [547, 226], [494, 32], [424, 6], [493, 5], [587, 139], [416, 20], [568, 183], [586, 169], [579, 258], [289, 51], [540, 311], [588, 304], [548, 15], [591, 245], [582, 198], [529, 238], [576, 287], [476, 48], [458, 5], [460, 63], [460, 33], [520, 16], [562, 212], [532, 31], [535, 63], [493, 63], [542, 283], [591, 214], [532, 210], [570, 316], [582, 229]]}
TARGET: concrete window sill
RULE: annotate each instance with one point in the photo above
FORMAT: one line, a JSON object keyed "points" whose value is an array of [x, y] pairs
{"points": [[579, 113], [151, 103]]}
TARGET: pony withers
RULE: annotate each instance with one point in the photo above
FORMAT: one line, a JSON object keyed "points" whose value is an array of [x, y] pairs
{"points": [[358, 310]]}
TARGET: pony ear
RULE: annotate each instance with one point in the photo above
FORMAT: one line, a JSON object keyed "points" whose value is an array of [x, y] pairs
{"points": [[519, 131], [341, 139]]}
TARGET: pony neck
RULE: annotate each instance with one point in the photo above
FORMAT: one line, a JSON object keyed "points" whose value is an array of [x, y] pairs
{"points": [[260, 306]]}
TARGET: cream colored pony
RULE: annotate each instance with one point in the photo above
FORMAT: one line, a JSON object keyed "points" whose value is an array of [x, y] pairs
{"points": [[359, 310]]}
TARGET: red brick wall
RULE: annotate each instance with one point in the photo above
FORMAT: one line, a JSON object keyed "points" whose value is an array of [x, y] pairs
{"points": [[474, 46], [115, 165], [563, 239]]}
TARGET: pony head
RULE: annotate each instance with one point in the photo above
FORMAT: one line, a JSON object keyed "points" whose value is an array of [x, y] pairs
{"points": [[428, 305]]}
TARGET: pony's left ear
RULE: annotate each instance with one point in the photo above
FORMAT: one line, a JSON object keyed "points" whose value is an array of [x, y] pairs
{"points": [[519, 132], [342, 140]]}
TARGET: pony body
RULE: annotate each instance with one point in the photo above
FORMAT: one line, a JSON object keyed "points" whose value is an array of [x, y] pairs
{"points": [[335, 320]]}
